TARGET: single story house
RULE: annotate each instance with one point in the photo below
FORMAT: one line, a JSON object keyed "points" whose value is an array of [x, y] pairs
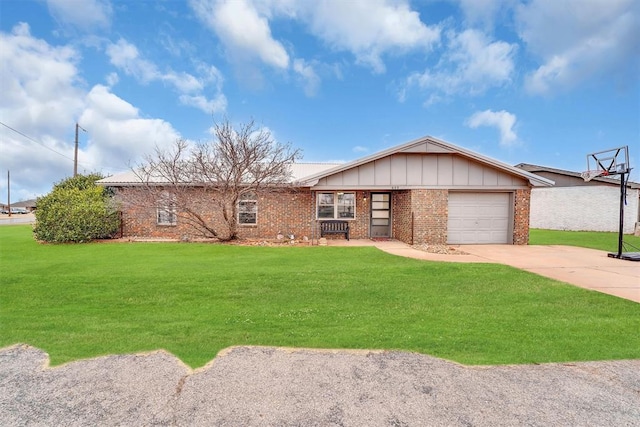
{"points": [[29, 205], [426, 191], [575, 205]]}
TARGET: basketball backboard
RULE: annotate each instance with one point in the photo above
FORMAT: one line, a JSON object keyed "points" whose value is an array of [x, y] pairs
{"points": [[606, 163]]}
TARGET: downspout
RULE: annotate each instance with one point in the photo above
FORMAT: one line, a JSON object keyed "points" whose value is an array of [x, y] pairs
{"points": [[412, 228]]}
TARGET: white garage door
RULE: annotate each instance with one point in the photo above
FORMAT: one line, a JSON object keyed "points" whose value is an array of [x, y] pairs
{"points": [[476, 218]]}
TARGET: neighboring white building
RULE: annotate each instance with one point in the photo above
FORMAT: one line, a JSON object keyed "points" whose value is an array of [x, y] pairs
{"points": [[576, 205]]}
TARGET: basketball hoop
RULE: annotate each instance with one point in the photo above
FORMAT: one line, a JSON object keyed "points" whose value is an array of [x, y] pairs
{"points": [[612, 162], [589, 175]]}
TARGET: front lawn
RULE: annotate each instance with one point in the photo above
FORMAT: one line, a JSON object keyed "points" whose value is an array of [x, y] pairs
{"points": [[587, 239], [83, 300]]}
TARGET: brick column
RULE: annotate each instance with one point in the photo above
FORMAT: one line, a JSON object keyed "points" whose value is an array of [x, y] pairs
{"points": [[430, 215], [521, 217]]}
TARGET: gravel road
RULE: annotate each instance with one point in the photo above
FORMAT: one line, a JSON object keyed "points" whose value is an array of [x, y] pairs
{"points": [[263, 386]]}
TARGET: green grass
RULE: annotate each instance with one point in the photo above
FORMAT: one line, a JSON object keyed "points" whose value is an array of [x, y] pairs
{"points": [[83, 300], [586, 239]]}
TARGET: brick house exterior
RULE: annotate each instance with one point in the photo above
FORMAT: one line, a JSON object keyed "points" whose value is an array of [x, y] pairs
{"points": [[405, 193]]}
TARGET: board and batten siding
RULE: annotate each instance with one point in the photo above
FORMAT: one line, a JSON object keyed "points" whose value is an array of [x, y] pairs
{"points": [[407, 170]]}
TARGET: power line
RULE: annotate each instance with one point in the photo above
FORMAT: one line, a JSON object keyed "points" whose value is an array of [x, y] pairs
{"points": [[37, 142]]}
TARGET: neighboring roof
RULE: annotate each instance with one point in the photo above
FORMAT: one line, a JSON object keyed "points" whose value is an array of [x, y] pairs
{"points": [[537, 169], [31, 203], [430, 144], [298, 172]]}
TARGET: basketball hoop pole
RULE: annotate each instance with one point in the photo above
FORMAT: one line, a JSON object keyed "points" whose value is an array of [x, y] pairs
{"points": [[621, 223], [607, 163]]}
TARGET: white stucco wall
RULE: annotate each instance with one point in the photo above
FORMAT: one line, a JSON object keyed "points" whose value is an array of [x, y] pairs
{"points": [[593, 208]]}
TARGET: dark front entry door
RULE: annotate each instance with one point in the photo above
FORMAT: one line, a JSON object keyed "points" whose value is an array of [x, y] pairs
{"points": [[380, 214]]}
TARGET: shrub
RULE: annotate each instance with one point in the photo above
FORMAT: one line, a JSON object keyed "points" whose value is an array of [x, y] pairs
{"points": [[76, 210]]}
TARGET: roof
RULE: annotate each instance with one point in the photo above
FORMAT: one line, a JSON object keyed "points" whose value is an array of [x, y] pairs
{"points": [[298, 172], [432, 145], [308, 174], [537, 169], [30, 203]]}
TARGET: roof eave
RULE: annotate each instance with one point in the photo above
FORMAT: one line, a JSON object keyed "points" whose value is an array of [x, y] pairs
{"points": [[534, 180]]}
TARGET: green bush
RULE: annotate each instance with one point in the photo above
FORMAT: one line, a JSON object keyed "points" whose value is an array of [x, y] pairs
{"points": [[76, 210]]}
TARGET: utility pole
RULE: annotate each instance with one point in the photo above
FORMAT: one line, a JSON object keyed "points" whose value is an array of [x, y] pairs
{"points": [[75, 156]]}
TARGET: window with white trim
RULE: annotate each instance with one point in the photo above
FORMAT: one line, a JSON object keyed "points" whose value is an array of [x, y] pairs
{"points": [[166, 210], [336, 205], [248, 209]]}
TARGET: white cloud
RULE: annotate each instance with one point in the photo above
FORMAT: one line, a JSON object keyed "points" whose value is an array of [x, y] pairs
{"points": [[578, 40], [41, 105], [184, 82], [112, 79], [84, 14], [360, 149], [501, 120], [125, 56], [217, 104], [243, 30], [117, 135], [370, 28], [45, 107], [190, 88], [308, 76], [483, 12], [472, 65], [29, 95]]}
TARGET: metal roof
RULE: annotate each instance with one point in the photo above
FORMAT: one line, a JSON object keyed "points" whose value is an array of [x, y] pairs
{"points": [[308, 174], [298, 173]]}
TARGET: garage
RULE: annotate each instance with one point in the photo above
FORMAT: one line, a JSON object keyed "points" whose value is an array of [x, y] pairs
{"points": [[479, 218]]}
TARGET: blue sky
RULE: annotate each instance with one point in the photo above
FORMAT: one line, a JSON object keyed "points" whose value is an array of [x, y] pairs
{"points": [[542, 82]]}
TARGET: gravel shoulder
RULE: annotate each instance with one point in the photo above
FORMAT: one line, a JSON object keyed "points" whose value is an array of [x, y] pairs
{"points": [[263, 386]]}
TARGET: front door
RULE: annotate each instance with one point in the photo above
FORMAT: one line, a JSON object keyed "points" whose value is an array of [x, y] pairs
{"points": [[380, 215]]}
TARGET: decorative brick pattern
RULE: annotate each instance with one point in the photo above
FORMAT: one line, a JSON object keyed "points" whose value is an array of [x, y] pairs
{"points": [[521, 217]]}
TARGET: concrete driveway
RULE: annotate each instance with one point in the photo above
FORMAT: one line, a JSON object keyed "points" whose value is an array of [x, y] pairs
{"points": [[587, 268]]}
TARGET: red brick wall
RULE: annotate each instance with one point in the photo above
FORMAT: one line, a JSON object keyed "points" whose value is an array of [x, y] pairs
{"points": [[401, 215], [521, 217], [294, 212], [287, 213], [431, 210], [290, 212], [358, 228]]}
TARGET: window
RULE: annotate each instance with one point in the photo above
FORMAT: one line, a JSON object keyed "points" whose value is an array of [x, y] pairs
{"points": [[336, 205], [248, 209], [166, 211]]}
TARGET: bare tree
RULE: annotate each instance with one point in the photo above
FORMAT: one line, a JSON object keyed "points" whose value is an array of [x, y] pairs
{"points": [[187, 180]]}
